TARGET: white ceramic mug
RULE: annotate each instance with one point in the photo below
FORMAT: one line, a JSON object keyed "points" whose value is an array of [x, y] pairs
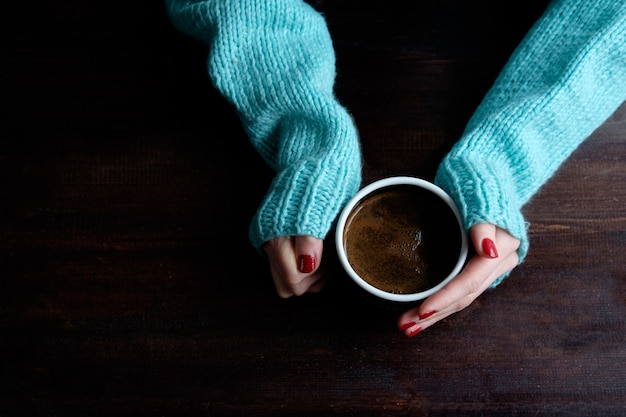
{"points": [[392, 239]]}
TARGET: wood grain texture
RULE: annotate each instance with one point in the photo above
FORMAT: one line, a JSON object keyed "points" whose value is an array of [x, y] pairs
{"points": [[127, 282]]}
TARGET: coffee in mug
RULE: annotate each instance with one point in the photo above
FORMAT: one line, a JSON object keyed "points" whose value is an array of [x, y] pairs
{"points": [[401, 238]]}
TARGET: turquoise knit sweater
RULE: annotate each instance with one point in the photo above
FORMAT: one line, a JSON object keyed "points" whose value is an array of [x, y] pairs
{"points": [[274, 61], [564, 80]]}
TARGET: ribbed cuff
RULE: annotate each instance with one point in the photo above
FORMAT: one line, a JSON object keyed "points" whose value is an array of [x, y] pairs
{"points": [[319, 171], [484, 192]]}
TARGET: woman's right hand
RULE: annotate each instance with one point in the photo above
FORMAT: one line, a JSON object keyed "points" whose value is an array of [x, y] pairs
{"points": [[295, 264]]}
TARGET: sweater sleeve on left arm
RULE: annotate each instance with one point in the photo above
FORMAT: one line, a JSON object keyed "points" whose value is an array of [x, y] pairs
{"points": [[562, 82]]}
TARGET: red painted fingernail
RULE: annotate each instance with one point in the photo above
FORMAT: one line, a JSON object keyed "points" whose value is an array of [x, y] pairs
{"points": [[426, 315], [414, 332], [489, 248], [307, 264], [407, 325]]}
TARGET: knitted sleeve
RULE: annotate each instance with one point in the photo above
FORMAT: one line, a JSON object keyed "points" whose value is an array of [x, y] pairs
{"points": [[563, 81], [275, 62]]}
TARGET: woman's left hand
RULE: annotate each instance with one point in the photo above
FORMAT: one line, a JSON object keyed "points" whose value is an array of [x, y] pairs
{"points": [[496, 254]]}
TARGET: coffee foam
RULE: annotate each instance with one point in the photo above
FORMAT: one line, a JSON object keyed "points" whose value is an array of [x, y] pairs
{"points": [[402, 239]]}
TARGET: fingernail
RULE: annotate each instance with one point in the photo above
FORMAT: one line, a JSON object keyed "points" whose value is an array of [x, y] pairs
{"points": [[407, 325], [307, 264], [489, 248], [426, 315], [414, 332]]}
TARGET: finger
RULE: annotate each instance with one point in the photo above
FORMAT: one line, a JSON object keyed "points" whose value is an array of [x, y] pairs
{"points": [[280, 255], [447, 300], [284, 266], [282, 289], [483, 237], [505, 266], [308, 253], [476, 277], [418, 324]]}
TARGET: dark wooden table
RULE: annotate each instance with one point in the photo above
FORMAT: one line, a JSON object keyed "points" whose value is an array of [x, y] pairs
{"points": [[127, 282]]}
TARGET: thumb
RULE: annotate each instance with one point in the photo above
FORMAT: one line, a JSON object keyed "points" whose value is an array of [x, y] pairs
{"points": [[308, 253], [483, 237]]}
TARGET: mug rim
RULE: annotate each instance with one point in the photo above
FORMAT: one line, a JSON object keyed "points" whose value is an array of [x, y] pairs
{"points": [[378, 185]]}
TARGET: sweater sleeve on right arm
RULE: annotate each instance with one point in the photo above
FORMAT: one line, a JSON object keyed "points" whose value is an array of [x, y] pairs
{"points": [[563, 81], [274, 62]]}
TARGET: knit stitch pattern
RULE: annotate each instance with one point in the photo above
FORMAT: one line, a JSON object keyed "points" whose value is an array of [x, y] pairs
{"points": [[564, 80], [275, 62]]}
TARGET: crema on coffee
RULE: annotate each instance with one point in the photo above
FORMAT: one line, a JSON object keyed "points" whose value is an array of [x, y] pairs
{"points": [[402, 239]]}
